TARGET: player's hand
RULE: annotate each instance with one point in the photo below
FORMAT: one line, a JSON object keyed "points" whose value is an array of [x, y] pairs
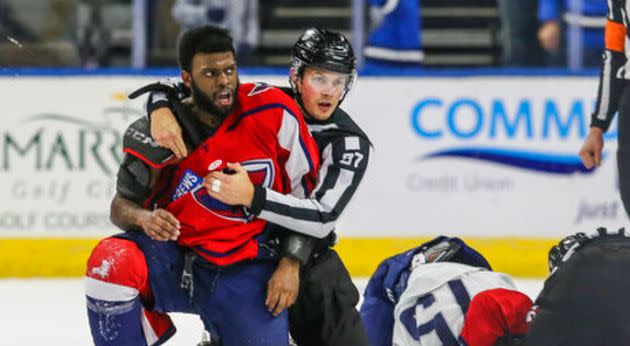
{"points": [[283, 286], [166, 131], [591, 152], [160, 224], [549, 35], [232, 189]]}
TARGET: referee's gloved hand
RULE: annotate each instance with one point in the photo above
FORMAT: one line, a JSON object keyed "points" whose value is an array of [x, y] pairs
{"points": [[283, 286]]}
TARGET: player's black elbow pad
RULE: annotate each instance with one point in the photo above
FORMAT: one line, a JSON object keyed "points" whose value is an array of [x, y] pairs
{"points": [[133, 179], [298, 247], [175, 90]]}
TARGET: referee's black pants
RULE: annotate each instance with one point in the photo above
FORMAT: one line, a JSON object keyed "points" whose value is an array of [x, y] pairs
{"points": [[586, 302], [325, 311], [623, 150]]}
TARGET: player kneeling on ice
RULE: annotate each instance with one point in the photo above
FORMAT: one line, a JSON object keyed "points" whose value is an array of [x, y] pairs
{"points": [[184, 250], [442, 293], [323, 70]]}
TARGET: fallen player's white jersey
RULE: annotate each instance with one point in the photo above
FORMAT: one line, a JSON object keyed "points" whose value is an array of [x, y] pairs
{"points": [[431, 309]]}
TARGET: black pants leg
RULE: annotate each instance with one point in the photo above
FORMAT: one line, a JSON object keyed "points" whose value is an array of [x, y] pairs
{"points": [[324, 313], [623, 150], [586, 302]]}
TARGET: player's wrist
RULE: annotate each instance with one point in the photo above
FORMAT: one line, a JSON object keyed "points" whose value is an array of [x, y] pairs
{"points": [[161, 112], [142, 219], [289, 263], [156, 106]]}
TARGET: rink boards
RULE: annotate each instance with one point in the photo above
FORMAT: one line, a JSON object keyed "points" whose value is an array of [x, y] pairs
{"points": [[489, 158], [23, 258]]}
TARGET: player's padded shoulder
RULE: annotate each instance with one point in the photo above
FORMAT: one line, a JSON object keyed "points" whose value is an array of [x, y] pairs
{"points": [[260, 95], [137, 142]]}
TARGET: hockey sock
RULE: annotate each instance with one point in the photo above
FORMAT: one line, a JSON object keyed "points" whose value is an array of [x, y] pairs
{"points": [[116, 287]]}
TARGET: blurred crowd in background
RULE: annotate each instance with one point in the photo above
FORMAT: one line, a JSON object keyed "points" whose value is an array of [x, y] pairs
{"points": [[386, 33]]}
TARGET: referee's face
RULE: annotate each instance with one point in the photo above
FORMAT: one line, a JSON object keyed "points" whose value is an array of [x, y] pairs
{"points": [[321, 91]]}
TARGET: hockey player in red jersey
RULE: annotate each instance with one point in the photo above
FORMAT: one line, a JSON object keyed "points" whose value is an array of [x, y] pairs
{"points": [[133, 279], [266, 138]]}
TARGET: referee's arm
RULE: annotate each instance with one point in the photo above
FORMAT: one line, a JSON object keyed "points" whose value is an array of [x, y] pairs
{"points": [[611, 81], [343, 164]]}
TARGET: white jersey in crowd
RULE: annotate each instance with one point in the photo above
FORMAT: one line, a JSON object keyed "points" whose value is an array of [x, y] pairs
{"points": [[240, 17], [431, 309]]}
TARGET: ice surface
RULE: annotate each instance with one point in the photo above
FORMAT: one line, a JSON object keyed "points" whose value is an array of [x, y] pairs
{"points": [[37, 312]]}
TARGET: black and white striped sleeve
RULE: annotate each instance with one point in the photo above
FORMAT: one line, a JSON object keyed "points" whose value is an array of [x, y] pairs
{"points": [[611, 79], [343, 164]]}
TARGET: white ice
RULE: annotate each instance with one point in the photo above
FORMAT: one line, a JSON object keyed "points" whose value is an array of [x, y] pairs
{"points": [[35, 312]]}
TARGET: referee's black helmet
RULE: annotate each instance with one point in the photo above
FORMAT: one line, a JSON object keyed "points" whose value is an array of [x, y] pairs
{"points": [[324, 49]]}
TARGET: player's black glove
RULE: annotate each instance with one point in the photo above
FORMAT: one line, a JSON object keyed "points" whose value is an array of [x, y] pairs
{"points": [[162, 94], [173, 88]]}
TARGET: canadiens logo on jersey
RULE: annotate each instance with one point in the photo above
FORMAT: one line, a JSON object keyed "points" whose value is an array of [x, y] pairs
{"points": [[261, 172], [218, 208]]}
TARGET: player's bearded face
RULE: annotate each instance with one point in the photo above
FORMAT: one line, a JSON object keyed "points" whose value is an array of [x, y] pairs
{"points": [[221, 102], [214, 82]]}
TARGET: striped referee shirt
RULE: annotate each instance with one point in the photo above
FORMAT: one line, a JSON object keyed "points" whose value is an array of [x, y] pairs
{"points": [[344, 155], [615, 69]]}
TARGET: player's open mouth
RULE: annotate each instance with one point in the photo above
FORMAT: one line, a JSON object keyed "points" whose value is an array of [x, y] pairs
{"points": [[324, 106], [224, 98]]}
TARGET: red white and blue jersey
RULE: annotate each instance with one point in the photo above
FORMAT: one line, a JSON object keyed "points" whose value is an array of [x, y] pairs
{"points": [[267, 135], [409, 302], [432, 310]]}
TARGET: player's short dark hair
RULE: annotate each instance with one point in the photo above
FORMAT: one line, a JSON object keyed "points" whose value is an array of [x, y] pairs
{"points": [[205, 39]]}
